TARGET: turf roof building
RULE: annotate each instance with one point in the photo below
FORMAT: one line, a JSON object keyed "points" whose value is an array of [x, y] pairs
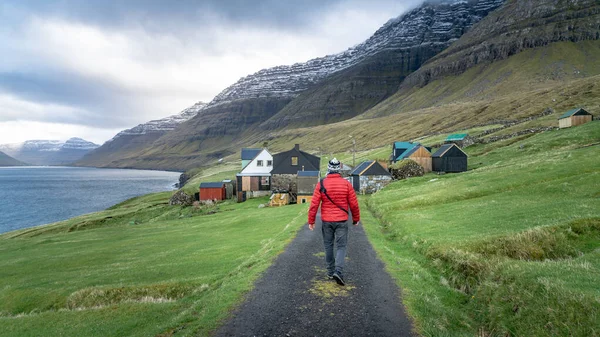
{"points": [[369, 177], [574, 117], [449, 158], [420, 155]]}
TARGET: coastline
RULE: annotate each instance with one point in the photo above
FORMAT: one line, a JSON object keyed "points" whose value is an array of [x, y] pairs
{"points": [[99, 193]]}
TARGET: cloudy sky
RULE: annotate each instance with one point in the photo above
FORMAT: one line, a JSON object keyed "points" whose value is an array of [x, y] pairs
{"points": [[90, 68]]}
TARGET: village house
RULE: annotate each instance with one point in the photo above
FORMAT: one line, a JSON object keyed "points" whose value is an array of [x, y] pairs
{"points": [[574, 117], [286, 165], [449, 158], [420, 155], [369, 177], [255, 178], [398, 148], [248, 154]]}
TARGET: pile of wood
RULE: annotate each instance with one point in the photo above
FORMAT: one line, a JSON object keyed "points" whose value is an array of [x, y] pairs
{"points": [[405, 169]]}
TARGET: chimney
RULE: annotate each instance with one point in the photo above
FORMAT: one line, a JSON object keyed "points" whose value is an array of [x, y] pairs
{"points": [[297, 147]]}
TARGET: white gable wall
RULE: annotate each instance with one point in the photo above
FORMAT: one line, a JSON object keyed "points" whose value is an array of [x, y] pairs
{"points": [[253, 167]]}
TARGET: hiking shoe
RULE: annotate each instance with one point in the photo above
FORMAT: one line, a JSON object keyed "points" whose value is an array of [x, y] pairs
{"points": [[338, 278], [330, 276]]}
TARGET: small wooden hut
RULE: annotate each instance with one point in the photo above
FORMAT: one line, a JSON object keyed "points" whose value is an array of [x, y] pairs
{"points": [[574, 117], [449, 158], [420, 155], [369, 177], [212, 191], [307, 180]]}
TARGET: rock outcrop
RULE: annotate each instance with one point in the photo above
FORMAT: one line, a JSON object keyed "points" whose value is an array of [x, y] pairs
{"points": [[518, 26], [181, 198]]}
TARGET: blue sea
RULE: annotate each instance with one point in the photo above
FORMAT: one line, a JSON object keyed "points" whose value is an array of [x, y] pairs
{"points": [[31, 196]]}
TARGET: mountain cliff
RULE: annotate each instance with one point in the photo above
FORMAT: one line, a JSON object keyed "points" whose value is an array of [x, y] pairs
{"points": [[49, 152], [472, 67], [323, 90]]}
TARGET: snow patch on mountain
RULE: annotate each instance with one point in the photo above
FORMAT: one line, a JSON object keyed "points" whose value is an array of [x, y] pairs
{"points": [[163, 125], [435, 22]]}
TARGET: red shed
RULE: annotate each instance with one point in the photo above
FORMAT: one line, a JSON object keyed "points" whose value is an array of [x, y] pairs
{"points": [[212, 191]]}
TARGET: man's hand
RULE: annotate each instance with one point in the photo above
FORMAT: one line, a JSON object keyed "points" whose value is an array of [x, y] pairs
{"points": [[311, 226], [356, 223]]}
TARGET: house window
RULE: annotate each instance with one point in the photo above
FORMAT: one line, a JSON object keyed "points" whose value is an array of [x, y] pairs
{"points": [[259, 163], [295, 161], [269, 163]]}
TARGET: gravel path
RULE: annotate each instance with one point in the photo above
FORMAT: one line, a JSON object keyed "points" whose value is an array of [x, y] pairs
{"points": [[294, 297]]}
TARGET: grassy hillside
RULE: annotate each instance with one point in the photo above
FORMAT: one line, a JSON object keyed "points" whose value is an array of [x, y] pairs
{"points": [[141, 268], [511, 247], [551, 67]]}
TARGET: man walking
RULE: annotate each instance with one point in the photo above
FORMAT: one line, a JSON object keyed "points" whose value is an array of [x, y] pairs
{"points": [[337, 198]]}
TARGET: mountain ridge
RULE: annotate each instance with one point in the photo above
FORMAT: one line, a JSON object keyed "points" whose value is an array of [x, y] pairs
{"points": [[248, 105], [49, 152]]}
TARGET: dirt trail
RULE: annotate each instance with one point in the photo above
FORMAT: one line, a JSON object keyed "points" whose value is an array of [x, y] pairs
{"points": [[294, 297]]}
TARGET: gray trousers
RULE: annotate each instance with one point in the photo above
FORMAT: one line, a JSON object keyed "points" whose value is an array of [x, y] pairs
{"points": [[338, 232]]}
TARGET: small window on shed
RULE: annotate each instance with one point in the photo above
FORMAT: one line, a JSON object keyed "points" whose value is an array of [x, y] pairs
{"points": [[295, 161], [259, 163], [269, 163]]}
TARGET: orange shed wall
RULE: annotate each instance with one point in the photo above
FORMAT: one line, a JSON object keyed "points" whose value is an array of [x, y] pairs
{"points": [[423, 158], [212, 193]]}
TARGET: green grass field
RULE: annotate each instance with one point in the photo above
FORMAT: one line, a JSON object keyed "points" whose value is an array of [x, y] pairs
{"points": [[509, 248], [141, 268]]}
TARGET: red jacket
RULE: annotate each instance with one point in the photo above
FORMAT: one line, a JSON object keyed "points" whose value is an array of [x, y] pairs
{"points": [[342, 193]]}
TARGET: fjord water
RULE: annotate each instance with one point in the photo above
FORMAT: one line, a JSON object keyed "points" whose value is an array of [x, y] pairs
{"points": [[31, 196]]}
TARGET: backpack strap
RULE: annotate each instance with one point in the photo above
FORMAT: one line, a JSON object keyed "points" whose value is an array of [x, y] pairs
{"points": [[324, 191]]}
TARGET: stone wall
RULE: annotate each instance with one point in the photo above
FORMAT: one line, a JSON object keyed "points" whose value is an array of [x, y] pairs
{"points": [[372, 184], [284, 182]]}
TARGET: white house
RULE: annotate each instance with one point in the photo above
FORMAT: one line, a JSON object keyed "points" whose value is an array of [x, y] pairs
{"points": [[255, 177]]}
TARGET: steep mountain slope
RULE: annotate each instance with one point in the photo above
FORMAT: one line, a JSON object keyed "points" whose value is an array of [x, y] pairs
{"points": [[410, 40], [516, 27], [49, 152], [322, 90], [129, 142], [6, 160]]}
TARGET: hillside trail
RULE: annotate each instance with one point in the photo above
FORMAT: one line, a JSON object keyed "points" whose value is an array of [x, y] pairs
{"points": [[295, 298]]}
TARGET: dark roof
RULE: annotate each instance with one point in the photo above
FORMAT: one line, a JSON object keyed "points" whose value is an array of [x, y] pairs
{"points": [[577, 111], [249, 154], [446, 148], [282, 162], [456, 136], [211, 185], [369, 168], [361, 167], [308, 173]]}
